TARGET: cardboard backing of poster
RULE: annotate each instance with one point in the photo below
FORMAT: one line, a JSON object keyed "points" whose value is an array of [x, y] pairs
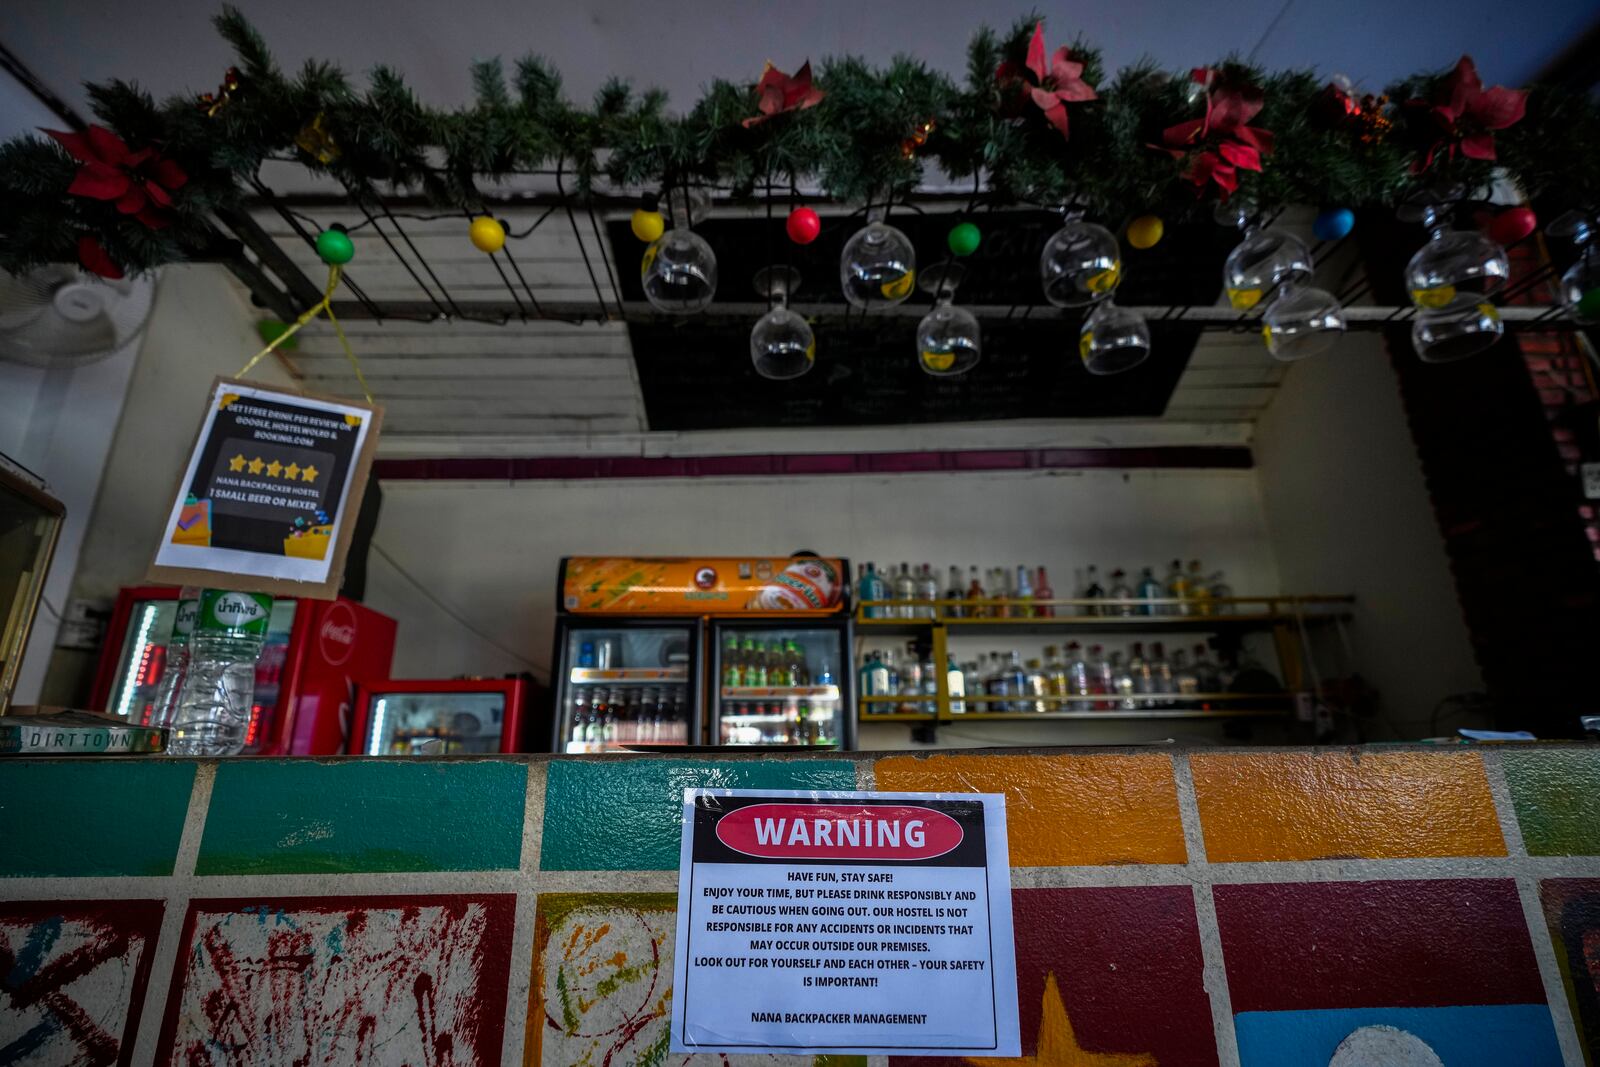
{"points": [[268, 499]]}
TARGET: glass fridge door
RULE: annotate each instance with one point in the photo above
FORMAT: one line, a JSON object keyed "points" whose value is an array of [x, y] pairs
{"points": [[627, 686], [780, 686], [443, 723], [142, 660]]}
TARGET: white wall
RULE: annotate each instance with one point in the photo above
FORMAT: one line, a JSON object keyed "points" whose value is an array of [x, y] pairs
{"points": [[1348, 511], [491, 550]]}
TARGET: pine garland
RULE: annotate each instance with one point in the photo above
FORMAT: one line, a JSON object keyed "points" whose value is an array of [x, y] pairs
{"points": [[876, 132]]}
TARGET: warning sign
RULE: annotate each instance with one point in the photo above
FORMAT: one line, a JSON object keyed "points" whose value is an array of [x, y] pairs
{"points": [[834, 922]]}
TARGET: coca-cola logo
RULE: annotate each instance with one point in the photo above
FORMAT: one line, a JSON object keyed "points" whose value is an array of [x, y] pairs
{"points": [[839, 832], [337, 636]]}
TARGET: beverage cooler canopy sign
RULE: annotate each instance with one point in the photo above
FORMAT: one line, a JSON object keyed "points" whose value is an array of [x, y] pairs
{"points": [[833, 923], [688, 586]]}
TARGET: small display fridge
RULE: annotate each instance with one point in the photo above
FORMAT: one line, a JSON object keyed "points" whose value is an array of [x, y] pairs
{"points": [[412, 717], [315, 653], [640, 658]]}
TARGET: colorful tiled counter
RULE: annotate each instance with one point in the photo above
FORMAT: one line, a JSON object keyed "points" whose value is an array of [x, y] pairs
{"points": [[1249, 907]]}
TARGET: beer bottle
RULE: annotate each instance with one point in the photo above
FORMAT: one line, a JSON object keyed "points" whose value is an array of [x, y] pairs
{"points": [[732, 662]]}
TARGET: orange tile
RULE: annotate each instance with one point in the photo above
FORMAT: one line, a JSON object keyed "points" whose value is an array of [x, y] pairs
{"points": [[1342, 805], [1062, 811]]}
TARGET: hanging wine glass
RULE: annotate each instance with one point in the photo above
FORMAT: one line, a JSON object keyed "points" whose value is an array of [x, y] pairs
{"points": [[679, 270], [1303, 321], [1263, 261], [1080, 265], [1580, 284], [781, 344], [878, 265], [1113, 339], [1455, 268], [1456, 332], [949, 340]]}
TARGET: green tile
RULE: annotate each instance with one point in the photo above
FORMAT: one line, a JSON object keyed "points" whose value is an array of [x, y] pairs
{"points": [[1557, 796], [79, 817], [298, 817], [619, 815]]}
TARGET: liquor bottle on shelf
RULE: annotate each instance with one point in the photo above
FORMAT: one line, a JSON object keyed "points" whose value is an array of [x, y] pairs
{"points": [[1055, 675], [871, 587], [972, 682], [875, 681], [996, 683], [732, 662], [955, 681], [1122, 682], [891, 660], [927, 592], [910, 679], [1092, 590], [1185, 682], [1016, 682], [1100, 678], [1220, 591], [955, 591], [1177, 589], [930, 685], [1150, 590], [1206, 673], [905, 589], [1042, 591], [1038, 685], [975, 592], [1161, 673], [1120, 591], [1024, 588], [999, 591], [1199, 591], [1139, 671], [1077, 675]]}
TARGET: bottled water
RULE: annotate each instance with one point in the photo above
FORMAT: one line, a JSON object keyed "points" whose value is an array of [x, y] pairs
{"points": [[177, 667], [214, 707]]}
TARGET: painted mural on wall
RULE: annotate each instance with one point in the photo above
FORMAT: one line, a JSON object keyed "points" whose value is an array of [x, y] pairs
{"points": [[72, 979], [1572, 908], [416, 980], [1106, 977], [601, 988], [1429, 972]]}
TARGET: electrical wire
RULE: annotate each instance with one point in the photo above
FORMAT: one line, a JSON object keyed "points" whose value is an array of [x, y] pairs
{"points": [[538, 671]]}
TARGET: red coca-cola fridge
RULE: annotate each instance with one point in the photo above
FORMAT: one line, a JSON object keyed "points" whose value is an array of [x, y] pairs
{"points": [[441, 717], [316, 653]]}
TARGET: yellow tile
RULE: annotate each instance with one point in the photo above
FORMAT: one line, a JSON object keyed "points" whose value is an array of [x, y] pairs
{"points": [[1065, 810], [1340, 805]]}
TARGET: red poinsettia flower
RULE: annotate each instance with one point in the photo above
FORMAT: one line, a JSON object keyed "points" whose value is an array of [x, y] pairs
{"points": [[141, 183], [1053, 85], [1465, 115], [777, 93], [93, 256], [1222, 143]]}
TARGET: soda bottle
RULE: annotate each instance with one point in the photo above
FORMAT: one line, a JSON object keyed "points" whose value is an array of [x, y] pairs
{"points": [[1042, 591], [802, 723], [580, 716], [591, 724], [1120, 592], [1149, 589], [954, 592], [975, 592], [678, 728], [1199, 591], [1024, 593], [1177, 589], [165, 708], [825, 673], [732, 662], [214, 705]]}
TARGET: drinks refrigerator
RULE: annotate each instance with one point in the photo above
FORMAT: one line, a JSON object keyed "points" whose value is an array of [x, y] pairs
{"points": [[315, 653], [435, 717], [640, 658]]}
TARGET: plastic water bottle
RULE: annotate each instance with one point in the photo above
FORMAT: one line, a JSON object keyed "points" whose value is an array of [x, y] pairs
{"points": [[214, 709], [177, 666]]}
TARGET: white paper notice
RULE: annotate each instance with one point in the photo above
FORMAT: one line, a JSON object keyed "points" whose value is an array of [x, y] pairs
{"points": [[834, 922]]}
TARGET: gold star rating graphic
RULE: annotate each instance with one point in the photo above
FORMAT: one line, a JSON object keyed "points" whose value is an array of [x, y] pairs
{"points": [[308, 474], [274, 468], [292, 471], [236, 464], [256, 465], [1058, 1045]]}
